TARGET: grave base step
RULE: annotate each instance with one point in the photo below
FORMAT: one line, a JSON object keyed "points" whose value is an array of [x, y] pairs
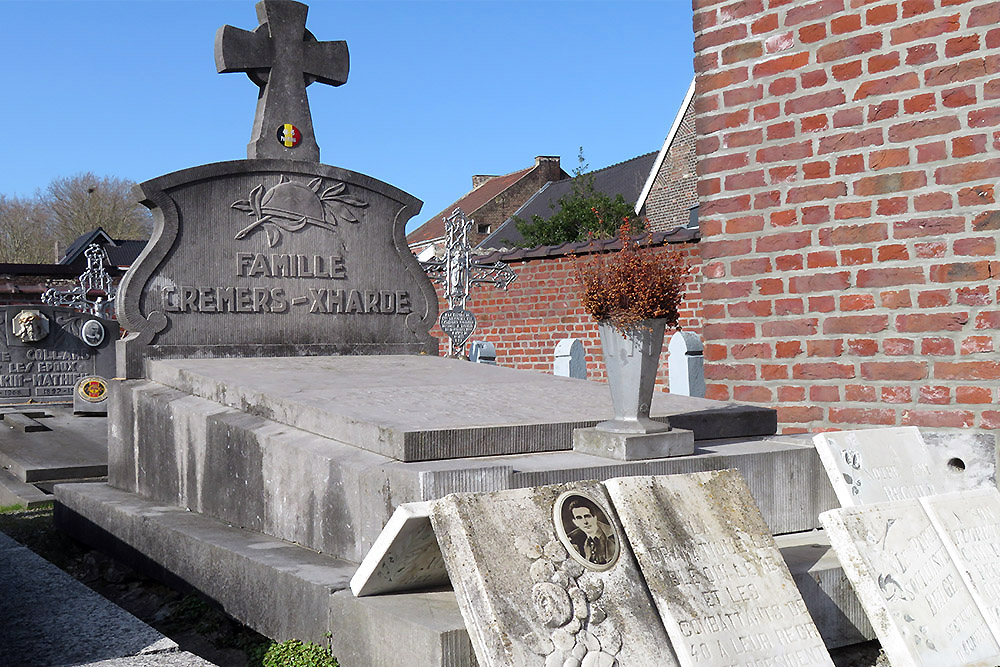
{"points": [[286, 591], [13, 491]]}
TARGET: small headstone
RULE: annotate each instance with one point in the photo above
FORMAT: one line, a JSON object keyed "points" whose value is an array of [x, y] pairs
{"points": [[405, 556], [718, 579], [570, 359], [544, 577], [911, 589], [482, 352], [686, 364], [875, 465], [45, 350]]}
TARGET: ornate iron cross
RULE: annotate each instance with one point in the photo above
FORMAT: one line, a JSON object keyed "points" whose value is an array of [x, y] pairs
{"points": [[458, 271], [94, 279], [281, 57]]}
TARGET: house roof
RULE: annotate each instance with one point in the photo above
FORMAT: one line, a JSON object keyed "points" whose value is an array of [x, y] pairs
{"points": [[676, 235], [469, 203], [651, 178], [121, 252], [625, 178]]}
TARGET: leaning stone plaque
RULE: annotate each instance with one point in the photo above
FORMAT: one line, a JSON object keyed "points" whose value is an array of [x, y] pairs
{"points": [[969, 522], [45, 350], [718, 579], [875, 465], [913, 593], [404, 557], [276, 255], [543, 576]]}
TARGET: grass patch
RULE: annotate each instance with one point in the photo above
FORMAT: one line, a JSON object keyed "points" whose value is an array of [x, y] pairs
{"points": [[293, 653]]}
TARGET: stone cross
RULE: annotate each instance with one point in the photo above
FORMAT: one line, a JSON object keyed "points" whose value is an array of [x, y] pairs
{"points": [[281, 57]]}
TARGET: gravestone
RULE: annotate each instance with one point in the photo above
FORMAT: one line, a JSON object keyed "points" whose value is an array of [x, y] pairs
{"points": [[875, 465], [715, 573], [535, 590], [686, 364], [570, 359], [912, 590], [276, 255], [45, 350]]}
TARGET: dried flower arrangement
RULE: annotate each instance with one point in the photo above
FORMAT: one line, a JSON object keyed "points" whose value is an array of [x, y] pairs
{"points": [[635, 283]]}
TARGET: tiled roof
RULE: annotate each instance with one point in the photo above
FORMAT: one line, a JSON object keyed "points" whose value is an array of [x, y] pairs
{"points": [[469, 203], [677, 235], [121, 252], [626, 178]]}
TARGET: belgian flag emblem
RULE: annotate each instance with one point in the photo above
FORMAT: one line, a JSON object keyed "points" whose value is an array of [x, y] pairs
{"points": [[289, 135]]}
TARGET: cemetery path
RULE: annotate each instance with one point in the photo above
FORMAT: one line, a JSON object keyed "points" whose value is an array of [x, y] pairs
{"points": [[187, 619]]}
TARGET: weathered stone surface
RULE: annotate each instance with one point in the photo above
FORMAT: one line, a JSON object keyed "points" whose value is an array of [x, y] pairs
{"points": [[633, 446], [69, 447], [969, 523], [874, 465], [274, 257], [23, 423], [716, 575], [43, 367], [464, 409], [405, 556], [921, 609], [533, 593], [280, 589]]}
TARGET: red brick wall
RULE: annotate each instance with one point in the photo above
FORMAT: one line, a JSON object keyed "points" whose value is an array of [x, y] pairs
{"points": [[541, 307], [848, 159], [674, 192]]}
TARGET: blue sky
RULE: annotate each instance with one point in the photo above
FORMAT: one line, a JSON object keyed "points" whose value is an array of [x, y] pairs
{"points": [[437, 92]]}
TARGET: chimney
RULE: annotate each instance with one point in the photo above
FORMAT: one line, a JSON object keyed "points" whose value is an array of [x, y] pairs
{"points": [[479, 179], [549, 165]]}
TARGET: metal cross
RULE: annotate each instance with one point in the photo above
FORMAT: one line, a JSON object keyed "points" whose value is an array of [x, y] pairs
{"points": [[458, 272], [281, 57], [94, 279]]}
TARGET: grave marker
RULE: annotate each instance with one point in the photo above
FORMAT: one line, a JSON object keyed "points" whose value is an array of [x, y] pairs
{"points": [[875, 465], [533, 593], [914, 594], [45, 350], [715, 573]]}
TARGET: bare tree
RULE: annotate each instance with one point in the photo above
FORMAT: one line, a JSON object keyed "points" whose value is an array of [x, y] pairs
{"points": [[82, 203], [25, 231]]}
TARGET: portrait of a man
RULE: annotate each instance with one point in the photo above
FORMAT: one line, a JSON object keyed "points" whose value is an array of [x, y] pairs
{"points": [[588, 531]]}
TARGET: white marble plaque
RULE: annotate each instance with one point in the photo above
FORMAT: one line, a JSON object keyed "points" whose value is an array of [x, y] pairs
{"points": [[875, 465], [969, 522], [716, 575], [404, 557], [912, 591], [543, 577]]}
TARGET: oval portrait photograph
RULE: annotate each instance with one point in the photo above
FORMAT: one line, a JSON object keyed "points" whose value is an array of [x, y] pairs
{"points": [[585, 530]]}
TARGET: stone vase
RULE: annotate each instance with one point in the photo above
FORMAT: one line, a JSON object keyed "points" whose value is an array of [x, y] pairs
{"points": [[631, 359]]}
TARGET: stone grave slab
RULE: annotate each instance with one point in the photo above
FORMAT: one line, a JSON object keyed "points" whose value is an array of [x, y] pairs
{"points": [[466, 410], [66, 447], [969, 521], [875, 465], [543, 576], [914, 594], [405, 556], [43, 352], [718, 579]]}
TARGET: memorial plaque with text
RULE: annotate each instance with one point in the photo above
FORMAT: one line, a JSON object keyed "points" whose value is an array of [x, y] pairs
{"points": [[543, 577], [969, 522], [912, 591], [876, 465], [718, 579], [274, 257], [43, 352]]}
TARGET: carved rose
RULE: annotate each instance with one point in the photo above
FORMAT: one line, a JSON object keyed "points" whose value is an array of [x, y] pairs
{"points": [[552, 603]]}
